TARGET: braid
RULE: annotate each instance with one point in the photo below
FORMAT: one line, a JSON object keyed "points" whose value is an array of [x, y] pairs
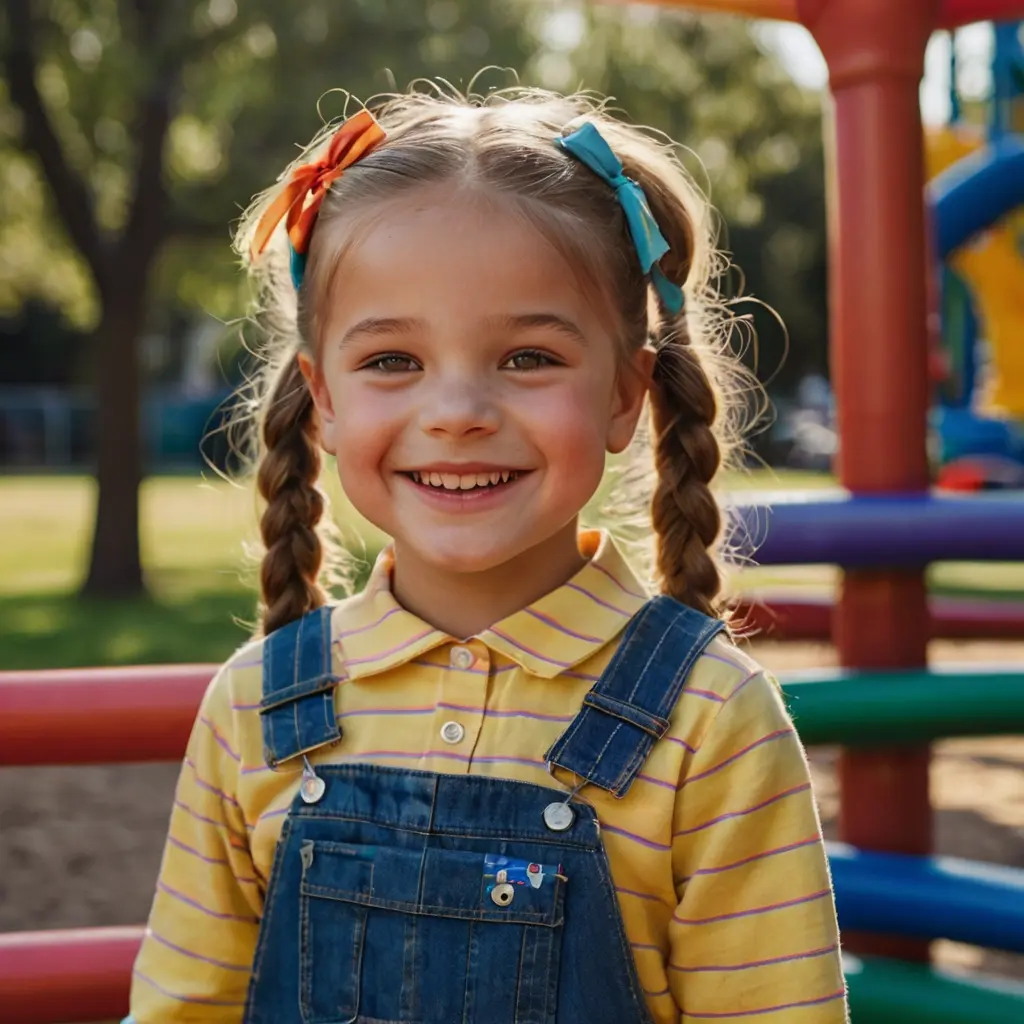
{"points": [[686, 516], [287, 481]]}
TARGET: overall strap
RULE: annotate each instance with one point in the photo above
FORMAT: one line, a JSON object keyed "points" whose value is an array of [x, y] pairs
{"points": [[626, 712], [297, 708]]}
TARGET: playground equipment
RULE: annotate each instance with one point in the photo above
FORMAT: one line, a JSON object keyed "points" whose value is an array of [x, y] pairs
{"points": [[976, 189], [883, 699], [823, 527], [975, 196]]}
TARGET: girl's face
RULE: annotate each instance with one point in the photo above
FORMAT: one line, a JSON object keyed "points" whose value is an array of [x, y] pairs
{"points": [[466, 384]]}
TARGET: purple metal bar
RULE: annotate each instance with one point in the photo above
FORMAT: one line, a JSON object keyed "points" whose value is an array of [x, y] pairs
{"points": [[879, 532]]}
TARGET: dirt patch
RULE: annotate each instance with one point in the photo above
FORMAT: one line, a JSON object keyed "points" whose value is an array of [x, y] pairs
{"points": [[81, 846]]}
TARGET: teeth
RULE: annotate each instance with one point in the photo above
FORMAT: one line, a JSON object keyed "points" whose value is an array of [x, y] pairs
{"points": [[458, 482]]}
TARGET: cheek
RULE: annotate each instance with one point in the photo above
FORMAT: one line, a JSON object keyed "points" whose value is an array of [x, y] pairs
{"points": [[574, 424], [363, 428], [362, 445]]}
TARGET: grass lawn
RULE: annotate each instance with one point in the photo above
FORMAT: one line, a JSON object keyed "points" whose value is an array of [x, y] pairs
{"points": [[194, 538]]}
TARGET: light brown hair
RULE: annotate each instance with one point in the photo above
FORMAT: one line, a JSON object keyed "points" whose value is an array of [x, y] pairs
{"points": [[503, 148]]}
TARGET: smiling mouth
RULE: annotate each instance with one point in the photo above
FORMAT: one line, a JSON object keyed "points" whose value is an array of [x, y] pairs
{"points": [[464, 481]]}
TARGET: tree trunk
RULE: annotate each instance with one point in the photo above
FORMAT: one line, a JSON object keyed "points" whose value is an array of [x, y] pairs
{"points": [[115, 569]]}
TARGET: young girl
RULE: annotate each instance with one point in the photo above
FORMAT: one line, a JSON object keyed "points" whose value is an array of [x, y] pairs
{"points": [[503, 784]]}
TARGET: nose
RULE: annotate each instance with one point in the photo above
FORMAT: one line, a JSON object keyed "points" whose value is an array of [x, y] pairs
{"points": [[462, 407]]}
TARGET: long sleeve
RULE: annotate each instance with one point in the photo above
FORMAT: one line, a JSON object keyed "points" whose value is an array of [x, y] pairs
{"points": [[195, 960], [754, 936]]}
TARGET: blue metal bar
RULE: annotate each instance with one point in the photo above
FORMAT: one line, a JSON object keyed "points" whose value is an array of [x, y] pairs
{"points": [[830, 527]]}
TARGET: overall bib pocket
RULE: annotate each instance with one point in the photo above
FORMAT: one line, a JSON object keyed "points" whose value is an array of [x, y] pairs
{"points": [[427, 935]]}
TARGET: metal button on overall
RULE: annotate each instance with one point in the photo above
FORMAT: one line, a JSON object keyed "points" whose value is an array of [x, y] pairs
{"points": [[311, 788], [452, 732], [462, 657], [558, 817]]}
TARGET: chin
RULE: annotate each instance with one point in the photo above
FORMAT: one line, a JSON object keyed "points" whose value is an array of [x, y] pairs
{"points": [[462, 557]]}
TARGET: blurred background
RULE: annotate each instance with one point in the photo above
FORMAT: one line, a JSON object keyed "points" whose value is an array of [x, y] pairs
{"points": [[132, 134]]}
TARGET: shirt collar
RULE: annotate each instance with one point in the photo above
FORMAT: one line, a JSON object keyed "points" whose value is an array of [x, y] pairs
{"points": [[374, 633], [547, 638]]}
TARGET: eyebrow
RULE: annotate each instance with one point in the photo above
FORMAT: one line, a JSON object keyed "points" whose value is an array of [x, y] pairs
{"points": [[530, 321], [375, 326], [383, 326]]}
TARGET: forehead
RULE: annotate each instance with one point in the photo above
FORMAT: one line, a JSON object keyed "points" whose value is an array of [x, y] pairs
{"points": [[446, 253]]}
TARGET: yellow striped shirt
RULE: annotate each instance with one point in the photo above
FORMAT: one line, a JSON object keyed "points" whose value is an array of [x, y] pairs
{"points": [[715, 852]]}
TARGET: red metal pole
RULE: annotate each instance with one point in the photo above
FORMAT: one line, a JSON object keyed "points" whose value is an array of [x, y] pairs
{"points": [[82, 974], [879, 354], [99, 715]]}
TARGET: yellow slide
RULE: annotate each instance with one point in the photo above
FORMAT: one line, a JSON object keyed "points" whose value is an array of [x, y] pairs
{"points": [[993, 268]]}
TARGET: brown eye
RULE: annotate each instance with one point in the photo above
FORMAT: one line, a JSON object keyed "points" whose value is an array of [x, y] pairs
{"points": [[529, 359], [392, 362]]}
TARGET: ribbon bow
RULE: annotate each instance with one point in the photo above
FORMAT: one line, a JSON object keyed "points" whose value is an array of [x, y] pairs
{"points": [[590, 148], [300, 199]]}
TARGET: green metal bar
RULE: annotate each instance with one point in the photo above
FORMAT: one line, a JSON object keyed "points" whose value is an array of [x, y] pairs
{"points": [[885, 991], [859, 709]]}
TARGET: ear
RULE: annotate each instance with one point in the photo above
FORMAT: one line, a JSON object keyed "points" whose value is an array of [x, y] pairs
{"points": [[631, 387], [321, 399]]}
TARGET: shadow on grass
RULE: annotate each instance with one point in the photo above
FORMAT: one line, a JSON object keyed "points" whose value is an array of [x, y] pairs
{"points": [[66, 631], [189, 616]]}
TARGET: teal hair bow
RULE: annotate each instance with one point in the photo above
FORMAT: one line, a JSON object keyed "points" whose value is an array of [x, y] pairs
{"points": [[589, 147]]}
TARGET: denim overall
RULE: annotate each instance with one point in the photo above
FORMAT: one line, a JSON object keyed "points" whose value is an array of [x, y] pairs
{"points": [[409, 897]]}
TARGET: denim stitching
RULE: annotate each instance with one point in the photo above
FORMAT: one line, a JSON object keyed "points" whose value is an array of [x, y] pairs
{"points": [[618, 926], [265, 930]]}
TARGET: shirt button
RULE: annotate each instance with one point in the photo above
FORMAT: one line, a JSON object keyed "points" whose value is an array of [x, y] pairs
{"points": [[452, 732], [462, 657]]}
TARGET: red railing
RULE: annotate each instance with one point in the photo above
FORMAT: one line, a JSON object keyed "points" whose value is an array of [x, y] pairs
{"points": [[950, 619], [74, 717], [81, 974], [99, 715]]}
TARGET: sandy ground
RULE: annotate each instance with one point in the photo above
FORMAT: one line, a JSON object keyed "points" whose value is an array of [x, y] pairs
{"points": [[81, 846]]}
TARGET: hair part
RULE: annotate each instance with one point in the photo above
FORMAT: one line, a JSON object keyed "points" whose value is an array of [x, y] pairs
{"points": [[501, 147]]}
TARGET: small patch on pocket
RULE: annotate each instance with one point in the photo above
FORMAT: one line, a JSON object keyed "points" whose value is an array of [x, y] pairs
{"points": [[499, 870]]}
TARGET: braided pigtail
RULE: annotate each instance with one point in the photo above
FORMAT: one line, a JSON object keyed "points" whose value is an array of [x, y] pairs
{"points": [[287, 481], [687, 520], [695, 397]]}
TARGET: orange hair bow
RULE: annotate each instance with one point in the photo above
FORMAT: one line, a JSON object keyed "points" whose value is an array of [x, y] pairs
{"points": [[300, 199]]}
